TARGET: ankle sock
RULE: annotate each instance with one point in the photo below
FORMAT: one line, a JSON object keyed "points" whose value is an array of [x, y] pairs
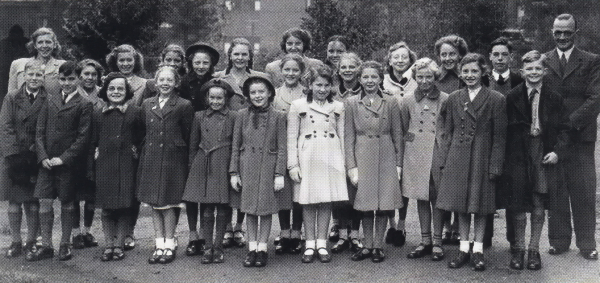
{"points": [[296, 234], [160, 243], [354, 234], [252, 246], [343, 233], [170, 243], [478, 247], [262, 247], [464, 246], [285, 234]]}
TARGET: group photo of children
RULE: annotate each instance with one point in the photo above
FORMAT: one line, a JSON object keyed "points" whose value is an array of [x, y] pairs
{"points": [[330, 154]]}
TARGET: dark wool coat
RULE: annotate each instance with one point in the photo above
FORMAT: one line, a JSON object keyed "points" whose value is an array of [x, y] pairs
{"points": [[373, 144], [115, 135], [210, 155], [472, 147], [190, 90], [63, 131], [163, 167], [18, 119], [258, 161], [516, 190]]}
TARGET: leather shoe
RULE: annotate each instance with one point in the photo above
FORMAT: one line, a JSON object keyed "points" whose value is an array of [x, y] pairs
{"points": [[355, 245], [282, 246], [155, 257], [362, 254], [437, 256], [517, 260], [64, 252], [446, 238], [326, 257], [89, 240], [340, 246], [167, 257], [295, 246], [218, 256], [238, 238], [461, 259], [107, 255], [228, 239], [15, 250], [590, 254], [118, 253], [556, 250], [207, 258], [129, 242], [78, 242], [389, 236], [421, 251], [40, 253], [378, 255], [192, 248], [250, 260], [534, 261], [477, 262], [334, 234], [261, 259], [455, 238], [29, 246], [399, 238], [308, 258]]}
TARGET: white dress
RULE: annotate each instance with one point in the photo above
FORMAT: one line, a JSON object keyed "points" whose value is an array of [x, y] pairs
{"points": [[316, 145]]}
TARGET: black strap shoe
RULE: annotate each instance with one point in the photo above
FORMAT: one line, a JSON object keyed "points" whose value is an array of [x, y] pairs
{"points": [[65, 252], [590, 254], [155, 257], [78, 242], [534, 261], [308, 258], [340, 246], [282, 246], [192, 248], [207, 258], [477, 262], [399, 238], [118, 253], [437, 256], [250, 260], [324, 257], [107, 255], [461, 259], [389, 236], [167, 257], [334, 234], [557, 250], [40, 253], [218, 255], [421, 251], [517, 260], [362, 254], [261, 259], [89, 241], [378, 255], [15, 250]]}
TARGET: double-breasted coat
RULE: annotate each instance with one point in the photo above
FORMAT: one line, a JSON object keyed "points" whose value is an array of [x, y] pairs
{"points": [[420, 114], [16, 78], [63, 131], [449, 81], [472, 148], [163, 168], [316, 147], [516, 191], [18, 119], [116, 136], [210, 155], [399, 88], [342, 94], [258, 154], [373, 144]]}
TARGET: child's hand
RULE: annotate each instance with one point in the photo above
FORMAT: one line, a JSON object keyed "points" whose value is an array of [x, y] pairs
{"points": [[279, 183], [353, 175], [55, 161], [96, 153], [236, 182], [399, 170], [295, 174], [46, 164], [550, 158]]}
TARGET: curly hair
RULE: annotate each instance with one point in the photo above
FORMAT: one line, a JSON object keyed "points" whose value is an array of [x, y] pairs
{"points": [[453, 40], [299, 33], [44, 31], [103, 93], [111, 58]]}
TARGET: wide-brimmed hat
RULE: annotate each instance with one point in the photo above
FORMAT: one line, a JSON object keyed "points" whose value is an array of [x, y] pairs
{"points": [[217, 82], [203, 46], [266, 80]]}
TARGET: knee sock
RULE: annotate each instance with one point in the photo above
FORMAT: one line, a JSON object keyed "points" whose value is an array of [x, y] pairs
{"points": [[76, 218], [239, 220], [32, 214], [284, 219], [223, 214], [191, 210], [426, 238], [208, 224], [46, 223], [14, 222], [66, 219], [88, 215], [537, 224], [520, 224]]}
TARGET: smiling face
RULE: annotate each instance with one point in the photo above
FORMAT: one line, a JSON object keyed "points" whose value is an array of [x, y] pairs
{"points": [[449, 56], [400, 60], [564, 33], [166, 82], [334, 51], [216, 98], [69, 83], [126, 63], [259, 95], [321, 88], [44, 44], [291, 73], [500, 58], [348, 70], [34, 78], [471, 74], [294, 45], [116, 91], [425, 79], [370, 80], [533, 72], [201, 63], [240, 56], [173, 59], [89, 77]]}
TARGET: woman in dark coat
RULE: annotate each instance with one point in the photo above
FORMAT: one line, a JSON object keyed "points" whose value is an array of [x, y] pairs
{"points": [[210, 153], [258, 164], [472, 155], [164, 159], [18, 166], [201, 61], [117, 133]]}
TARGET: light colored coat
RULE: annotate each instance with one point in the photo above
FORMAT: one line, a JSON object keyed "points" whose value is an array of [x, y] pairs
{"points": [[316, 146], [274, 70], [16, 77]]}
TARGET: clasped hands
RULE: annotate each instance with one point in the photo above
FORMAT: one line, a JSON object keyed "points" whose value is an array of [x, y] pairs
{"points": [[236, 182], [49, 163]]}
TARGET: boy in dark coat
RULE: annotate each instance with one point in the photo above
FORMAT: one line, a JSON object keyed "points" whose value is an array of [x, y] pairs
{"points": [[536, 136], [62, 140]]}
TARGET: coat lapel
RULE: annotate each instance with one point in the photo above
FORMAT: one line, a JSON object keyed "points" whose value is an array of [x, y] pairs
{"points": [[521, 101], [574, 62], [169, 105], [373, 107], [72, 102], [154, 107], [325, 109], [553, 62], [466, 102], [22, 101], [480, 99]]}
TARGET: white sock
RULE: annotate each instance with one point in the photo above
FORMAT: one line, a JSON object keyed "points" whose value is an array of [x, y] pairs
{"points": [[296, 234], [354, 234], [310, 246], [464, 246], [321, 243], [160, 243], [85, 230], [285, 234], [252, 246], [478, 247], [262, 247], [170, 244], [76, 231], [344, 233]]}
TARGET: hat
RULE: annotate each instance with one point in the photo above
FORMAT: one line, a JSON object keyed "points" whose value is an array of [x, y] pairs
{"points": [[202, 46], [217, 82], [266, 80]]}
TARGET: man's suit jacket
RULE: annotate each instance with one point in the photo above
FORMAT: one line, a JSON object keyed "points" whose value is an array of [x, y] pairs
{"points": [[580, 88]]}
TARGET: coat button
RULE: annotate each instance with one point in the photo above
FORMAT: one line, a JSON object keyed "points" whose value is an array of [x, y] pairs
{"points": [[151, 120], [150, 144], [161, 145], [162, 133], [370, 136], [315, 132], [310, 116], [420, 130], [421, 122], [377, 136], [473, 127], [312, 121], [324, 136], [326, 120], [118, 136]]}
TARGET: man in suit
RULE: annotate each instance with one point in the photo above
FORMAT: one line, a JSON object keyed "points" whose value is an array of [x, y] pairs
{"points": [[575, 75], [502, 80]]}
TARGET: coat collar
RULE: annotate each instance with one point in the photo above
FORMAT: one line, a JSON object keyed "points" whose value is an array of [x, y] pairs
{"points": [[57, 100], [287, 95], [433, 95], [167, 108], [224, 111], [326, 108], [374, 107], [473, 107], [574, 62], [22, 101]]}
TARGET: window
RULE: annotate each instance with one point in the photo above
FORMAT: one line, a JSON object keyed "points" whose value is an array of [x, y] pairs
{"points": [[257, 5]]}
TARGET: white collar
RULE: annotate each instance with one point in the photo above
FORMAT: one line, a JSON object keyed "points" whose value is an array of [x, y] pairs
{"points": [[567, 53], [505, 75], [530, 88], [473, 93], [33, 93], [69, 96]]}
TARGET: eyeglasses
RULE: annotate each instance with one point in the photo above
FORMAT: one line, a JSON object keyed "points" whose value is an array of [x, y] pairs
{"points": [[565, 33], [119, 89]]}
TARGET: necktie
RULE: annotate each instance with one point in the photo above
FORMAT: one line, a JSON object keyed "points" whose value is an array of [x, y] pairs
{"points": [[563, 64], [31, 98], [501, 80], [64, 99], [532, 96]]}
